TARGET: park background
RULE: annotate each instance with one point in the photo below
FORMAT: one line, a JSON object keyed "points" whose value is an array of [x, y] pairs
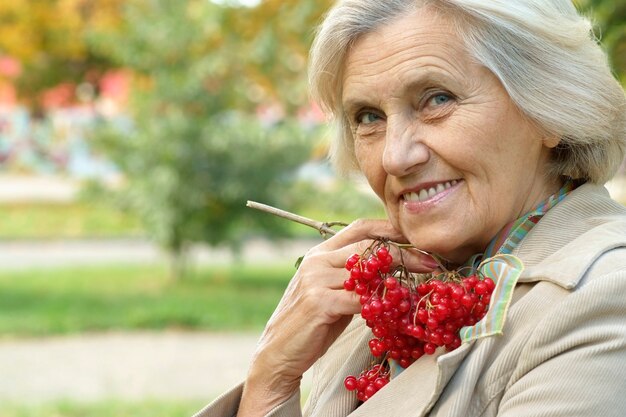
{"points": [[133, 279]]}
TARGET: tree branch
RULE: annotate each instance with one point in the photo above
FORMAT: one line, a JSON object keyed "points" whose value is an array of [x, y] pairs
{"points": [[323, 228]]}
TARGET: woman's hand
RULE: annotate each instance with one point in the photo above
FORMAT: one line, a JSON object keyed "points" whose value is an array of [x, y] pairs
{"points": [[312, 313]]}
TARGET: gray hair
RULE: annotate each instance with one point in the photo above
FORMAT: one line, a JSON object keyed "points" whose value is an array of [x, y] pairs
{"points": [[543, 52]]}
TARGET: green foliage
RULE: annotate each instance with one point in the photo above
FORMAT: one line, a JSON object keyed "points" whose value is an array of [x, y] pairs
{"points": [[191, 159], [340, 201], [75, 220], [125, 297], [103, 409], [49, 40], [610, 20], [189, 181]]}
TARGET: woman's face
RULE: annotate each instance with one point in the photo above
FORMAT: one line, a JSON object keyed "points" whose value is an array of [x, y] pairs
{"points": [[439, 139]]}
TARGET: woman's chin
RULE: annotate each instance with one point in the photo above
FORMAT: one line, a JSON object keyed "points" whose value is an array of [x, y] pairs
{"points": [[454, 253]]}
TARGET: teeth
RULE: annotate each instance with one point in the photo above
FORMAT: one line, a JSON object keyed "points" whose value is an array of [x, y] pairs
{"points": [[425, 194]]}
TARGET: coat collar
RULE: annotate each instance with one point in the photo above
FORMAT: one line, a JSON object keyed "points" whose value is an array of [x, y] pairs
{"points": [[595, 224], [549, 252], [416, 390]]}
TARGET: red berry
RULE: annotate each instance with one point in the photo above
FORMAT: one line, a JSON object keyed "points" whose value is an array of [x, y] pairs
{"points": [[380, 382], [485, 299], [436, 339], [356, 273], [373, 264], [457, 292], [352, 260], [441, 288], [448, 338], [432, 323], [470, 282], [349, 284], [429, 348], [442, 312], [376, 307], [370, 390], [350, 383], [404, 306], [407, 318], [468, 300], [391, 283], [417, 352], [404, 362], [360, 289], [481, 288], [368, 275], [418, 332], [455, 344], [422, 315], [380, 331], [395, 354], [382, 252]]}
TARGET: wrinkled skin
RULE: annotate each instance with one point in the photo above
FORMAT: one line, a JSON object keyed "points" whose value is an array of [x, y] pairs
{"points": [[423, 113]]}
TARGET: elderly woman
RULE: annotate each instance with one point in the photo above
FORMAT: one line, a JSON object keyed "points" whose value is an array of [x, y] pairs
{"points": [[485, 127]]}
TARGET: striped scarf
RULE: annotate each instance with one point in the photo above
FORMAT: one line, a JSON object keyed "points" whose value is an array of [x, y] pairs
{"points": [[505, 269], [512, 234], [498, 264]]}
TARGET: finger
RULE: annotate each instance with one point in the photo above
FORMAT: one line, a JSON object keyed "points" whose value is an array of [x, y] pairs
{"points": [[361, 230], [413, 260], [343, 303]]}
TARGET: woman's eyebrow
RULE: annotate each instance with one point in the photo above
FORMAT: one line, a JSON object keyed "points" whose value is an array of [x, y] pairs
{"points": [[354, 102], [429, 78], [352, 105]]}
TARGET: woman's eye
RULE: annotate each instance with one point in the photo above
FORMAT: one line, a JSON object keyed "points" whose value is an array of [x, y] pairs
{"points": [[439, 99], [367, 118]]}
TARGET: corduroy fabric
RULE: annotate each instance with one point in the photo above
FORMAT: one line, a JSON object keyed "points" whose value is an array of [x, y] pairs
{"points": [[562, 352]]}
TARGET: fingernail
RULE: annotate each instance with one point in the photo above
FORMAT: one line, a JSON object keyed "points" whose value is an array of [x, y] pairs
{"points": [[430, 263]]}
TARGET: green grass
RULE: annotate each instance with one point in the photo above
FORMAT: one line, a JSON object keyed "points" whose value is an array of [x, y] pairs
{"points": [[85, 299], [103, 409], [75, 220]]}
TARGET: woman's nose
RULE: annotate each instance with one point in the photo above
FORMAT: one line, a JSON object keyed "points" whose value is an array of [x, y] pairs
{"points": [[404, 150]]}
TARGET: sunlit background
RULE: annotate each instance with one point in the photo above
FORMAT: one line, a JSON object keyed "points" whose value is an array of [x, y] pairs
{"points": [[133, 279]]}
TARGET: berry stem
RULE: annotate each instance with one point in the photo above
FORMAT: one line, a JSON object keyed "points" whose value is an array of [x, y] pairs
{"points": [[323, 228]]}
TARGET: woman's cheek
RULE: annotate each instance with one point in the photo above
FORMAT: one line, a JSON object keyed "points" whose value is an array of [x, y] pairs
{"points": [[369, 158]]}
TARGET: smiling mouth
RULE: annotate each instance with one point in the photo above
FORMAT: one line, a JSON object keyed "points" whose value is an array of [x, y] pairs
{"points": [[428, 193]]}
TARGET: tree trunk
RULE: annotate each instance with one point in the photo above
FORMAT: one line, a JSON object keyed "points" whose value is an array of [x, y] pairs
{"points": [[178, 263]]}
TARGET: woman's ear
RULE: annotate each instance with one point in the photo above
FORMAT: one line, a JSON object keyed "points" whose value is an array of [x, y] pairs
{"points": [[551, 141]]}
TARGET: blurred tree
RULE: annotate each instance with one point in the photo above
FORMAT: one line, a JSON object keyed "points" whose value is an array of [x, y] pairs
{"points": [[198, 147], [610, 20], [48, 38], [277, 35]]}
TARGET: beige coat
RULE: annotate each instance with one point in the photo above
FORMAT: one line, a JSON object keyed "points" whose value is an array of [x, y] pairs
{"points": [[563, 351]]}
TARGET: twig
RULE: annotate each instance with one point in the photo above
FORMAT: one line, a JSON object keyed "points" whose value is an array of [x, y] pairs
{"points": [[323, 228]]}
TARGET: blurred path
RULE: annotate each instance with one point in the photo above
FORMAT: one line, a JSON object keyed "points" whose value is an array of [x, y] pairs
{"points": [[130, 366], [17, 254]]}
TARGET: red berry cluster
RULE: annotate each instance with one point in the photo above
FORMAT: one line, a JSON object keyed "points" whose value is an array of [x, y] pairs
{"points": [[412, 315], [369, 382]]}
